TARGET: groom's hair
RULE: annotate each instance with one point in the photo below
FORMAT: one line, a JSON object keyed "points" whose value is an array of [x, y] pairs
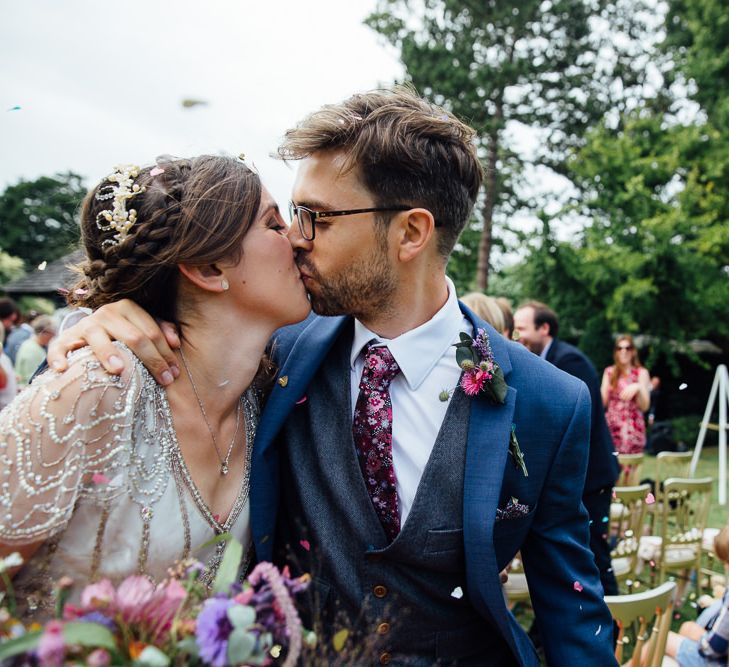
{"points": [[405, 150]]}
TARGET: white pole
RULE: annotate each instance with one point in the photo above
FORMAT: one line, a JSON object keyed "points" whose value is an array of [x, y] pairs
{"points": [[705, 421], [723, 400]]}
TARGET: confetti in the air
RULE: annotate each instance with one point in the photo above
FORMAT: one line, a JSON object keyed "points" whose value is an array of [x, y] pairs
{"points": [[15, 108], [100, 478], [42, 266], [189, 103], [650, 499], [305, 544], [597, 632], [457, 593], [301, 400], [682, 386], [577, 586], [339, 639], [156, 171]]}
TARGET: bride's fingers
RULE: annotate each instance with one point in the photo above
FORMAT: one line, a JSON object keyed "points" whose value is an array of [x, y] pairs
{"points": [[148, 339], [60, 346]]}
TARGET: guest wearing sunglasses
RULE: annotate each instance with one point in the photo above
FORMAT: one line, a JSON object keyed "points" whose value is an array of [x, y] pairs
{"points": [[626, 390]]}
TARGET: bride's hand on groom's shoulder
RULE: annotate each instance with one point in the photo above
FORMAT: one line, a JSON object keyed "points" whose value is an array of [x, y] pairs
{"points": [[126, 322]]}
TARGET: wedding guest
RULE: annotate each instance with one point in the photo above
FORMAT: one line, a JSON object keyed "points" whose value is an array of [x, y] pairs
{"points": [[20, 333], [486, 308], [538, 326], [32, 351], [705, 643], [625, 391], [9, 316], [108, 476], [505, 306], [8, 381]]}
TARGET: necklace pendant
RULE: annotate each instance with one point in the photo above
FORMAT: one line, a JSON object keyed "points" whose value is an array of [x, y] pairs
{"points": [[224, 469]]}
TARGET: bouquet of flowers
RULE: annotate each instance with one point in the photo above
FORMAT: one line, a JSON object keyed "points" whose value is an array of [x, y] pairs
{"points": [[177, 622]]}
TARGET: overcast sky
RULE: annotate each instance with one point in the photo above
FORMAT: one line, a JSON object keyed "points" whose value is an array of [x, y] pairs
{"points": [[102, 83]]}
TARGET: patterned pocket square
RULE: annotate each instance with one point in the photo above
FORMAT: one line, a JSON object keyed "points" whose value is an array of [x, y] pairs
{"points": [[513, 510]]}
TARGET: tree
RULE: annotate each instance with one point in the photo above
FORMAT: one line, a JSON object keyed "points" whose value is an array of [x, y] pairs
{"points": [[37, 218], [553, 66]]}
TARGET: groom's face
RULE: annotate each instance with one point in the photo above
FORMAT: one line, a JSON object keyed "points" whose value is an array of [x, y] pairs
{"points": [[348, 267]]}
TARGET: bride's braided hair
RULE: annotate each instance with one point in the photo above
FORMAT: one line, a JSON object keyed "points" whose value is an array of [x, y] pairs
{"points": [[190, 211], [196, 211]]}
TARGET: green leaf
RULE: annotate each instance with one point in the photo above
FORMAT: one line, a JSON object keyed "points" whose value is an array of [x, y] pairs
{"points": [[498, 385], [223, 537], [88, 634], [464, 354], [229, 566], [465, 339], [152, 657], [340, 639], [240, 646], [20, 645], [188, 645], [241, 616]]}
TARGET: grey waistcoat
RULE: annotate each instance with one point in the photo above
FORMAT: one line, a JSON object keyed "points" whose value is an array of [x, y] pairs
{"points": [[399, 600]]}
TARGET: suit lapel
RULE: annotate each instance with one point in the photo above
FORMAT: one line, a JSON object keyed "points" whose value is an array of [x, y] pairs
{"points": [[487, 451], [302, 362]]}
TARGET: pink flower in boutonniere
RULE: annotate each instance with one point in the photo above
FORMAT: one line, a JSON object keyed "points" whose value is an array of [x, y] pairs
{"points": [[481, 373], [473, 381]]}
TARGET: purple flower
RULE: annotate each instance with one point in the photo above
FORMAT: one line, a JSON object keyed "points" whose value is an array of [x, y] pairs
{"points": [[98, 617], [51, 647], [213, 630]]}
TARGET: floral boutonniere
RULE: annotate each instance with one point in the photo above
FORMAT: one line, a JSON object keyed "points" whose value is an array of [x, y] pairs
{"points": [[481, 373]]}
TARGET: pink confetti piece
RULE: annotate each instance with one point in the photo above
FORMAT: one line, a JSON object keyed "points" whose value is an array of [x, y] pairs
{"points": [[577, 586], [650, 499], [615, 495], [156, 171], [80, 292], [99, 478], [305, 544], [303, 399], [457, 593], [216, 517]]}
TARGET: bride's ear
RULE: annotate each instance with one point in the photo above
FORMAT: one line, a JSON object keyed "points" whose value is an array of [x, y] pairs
{"points": [[208, 277]]}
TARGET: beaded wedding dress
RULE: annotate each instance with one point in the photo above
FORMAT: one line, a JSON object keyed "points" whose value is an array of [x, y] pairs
{"points": [[90, 466]]}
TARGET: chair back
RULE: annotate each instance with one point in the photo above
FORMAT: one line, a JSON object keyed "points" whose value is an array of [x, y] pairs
{"points": [[627, 512], [634, 614], [630, 467], [672, 464], [684, 512]]}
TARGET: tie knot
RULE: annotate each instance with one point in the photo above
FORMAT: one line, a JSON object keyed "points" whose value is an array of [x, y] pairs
{"points": [[380, 366]]}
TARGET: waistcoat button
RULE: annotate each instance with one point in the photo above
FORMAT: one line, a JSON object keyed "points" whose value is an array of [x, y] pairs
{"points": [[383, 628], [385, 658], [380, 591]]}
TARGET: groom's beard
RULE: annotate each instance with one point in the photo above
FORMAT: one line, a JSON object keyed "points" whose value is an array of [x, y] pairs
{"points": [[363, 289]]}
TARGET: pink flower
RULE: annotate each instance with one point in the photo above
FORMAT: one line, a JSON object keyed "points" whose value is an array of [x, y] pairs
{"points": [[162, 606], [473, 381], [375, 403], [132, 596], [97, 596], [99, 658], [51, 647]]}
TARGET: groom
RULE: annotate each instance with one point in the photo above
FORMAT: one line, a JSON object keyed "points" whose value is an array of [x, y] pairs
{"points": [[405, 491]]}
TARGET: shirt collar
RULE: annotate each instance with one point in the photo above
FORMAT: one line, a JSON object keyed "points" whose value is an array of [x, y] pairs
{"points": [[417, 351], [545, 350]]}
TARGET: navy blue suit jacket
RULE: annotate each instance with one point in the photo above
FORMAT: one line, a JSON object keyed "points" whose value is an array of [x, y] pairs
{"points": [[550, 411], [603, 468]]}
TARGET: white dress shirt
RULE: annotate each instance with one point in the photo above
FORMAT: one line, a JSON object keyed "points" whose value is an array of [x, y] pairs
{"points": [[427, 361]]}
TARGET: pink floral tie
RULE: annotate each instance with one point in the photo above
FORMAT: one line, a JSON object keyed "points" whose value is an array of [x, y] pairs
{"points": [[372, 430]]}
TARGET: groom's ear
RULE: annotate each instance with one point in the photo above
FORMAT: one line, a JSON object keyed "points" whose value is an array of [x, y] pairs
{"points": [[415, 232], [207, 277]]}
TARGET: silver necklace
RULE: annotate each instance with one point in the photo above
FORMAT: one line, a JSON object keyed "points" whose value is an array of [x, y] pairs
{"points": [[223, 461]]}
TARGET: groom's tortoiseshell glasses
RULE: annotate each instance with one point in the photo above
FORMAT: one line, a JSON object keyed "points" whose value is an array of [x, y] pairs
{"points": [[307, 218]]}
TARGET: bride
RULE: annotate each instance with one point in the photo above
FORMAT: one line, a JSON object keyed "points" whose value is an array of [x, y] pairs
{"points": [[107, 476]]}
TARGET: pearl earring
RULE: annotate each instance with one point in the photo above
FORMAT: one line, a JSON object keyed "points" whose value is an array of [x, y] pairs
{"points": [[224, 284]]}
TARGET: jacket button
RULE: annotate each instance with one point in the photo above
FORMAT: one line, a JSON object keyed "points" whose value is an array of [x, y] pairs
{"points": [[380, 591], [385, 658], [383, 628]]}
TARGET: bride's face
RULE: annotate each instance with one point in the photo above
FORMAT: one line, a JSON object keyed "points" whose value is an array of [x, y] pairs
{"points": [[266, 280]]}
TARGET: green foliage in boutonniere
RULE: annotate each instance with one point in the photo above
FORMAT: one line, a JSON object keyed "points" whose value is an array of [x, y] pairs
{"points": [[481, 373]]}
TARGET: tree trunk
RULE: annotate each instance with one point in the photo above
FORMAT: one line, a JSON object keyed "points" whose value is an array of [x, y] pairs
{"points": [[487, 212]]}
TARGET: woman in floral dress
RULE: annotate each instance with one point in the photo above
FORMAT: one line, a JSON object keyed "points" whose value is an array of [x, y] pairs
{"points": [[626, 395]]}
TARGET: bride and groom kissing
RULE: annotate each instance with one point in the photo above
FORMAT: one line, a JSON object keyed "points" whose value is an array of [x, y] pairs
{"points": [[355, 445]]}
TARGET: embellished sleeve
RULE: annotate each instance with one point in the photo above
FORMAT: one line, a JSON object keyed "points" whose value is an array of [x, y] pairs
{"points": [[58, 438]]}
